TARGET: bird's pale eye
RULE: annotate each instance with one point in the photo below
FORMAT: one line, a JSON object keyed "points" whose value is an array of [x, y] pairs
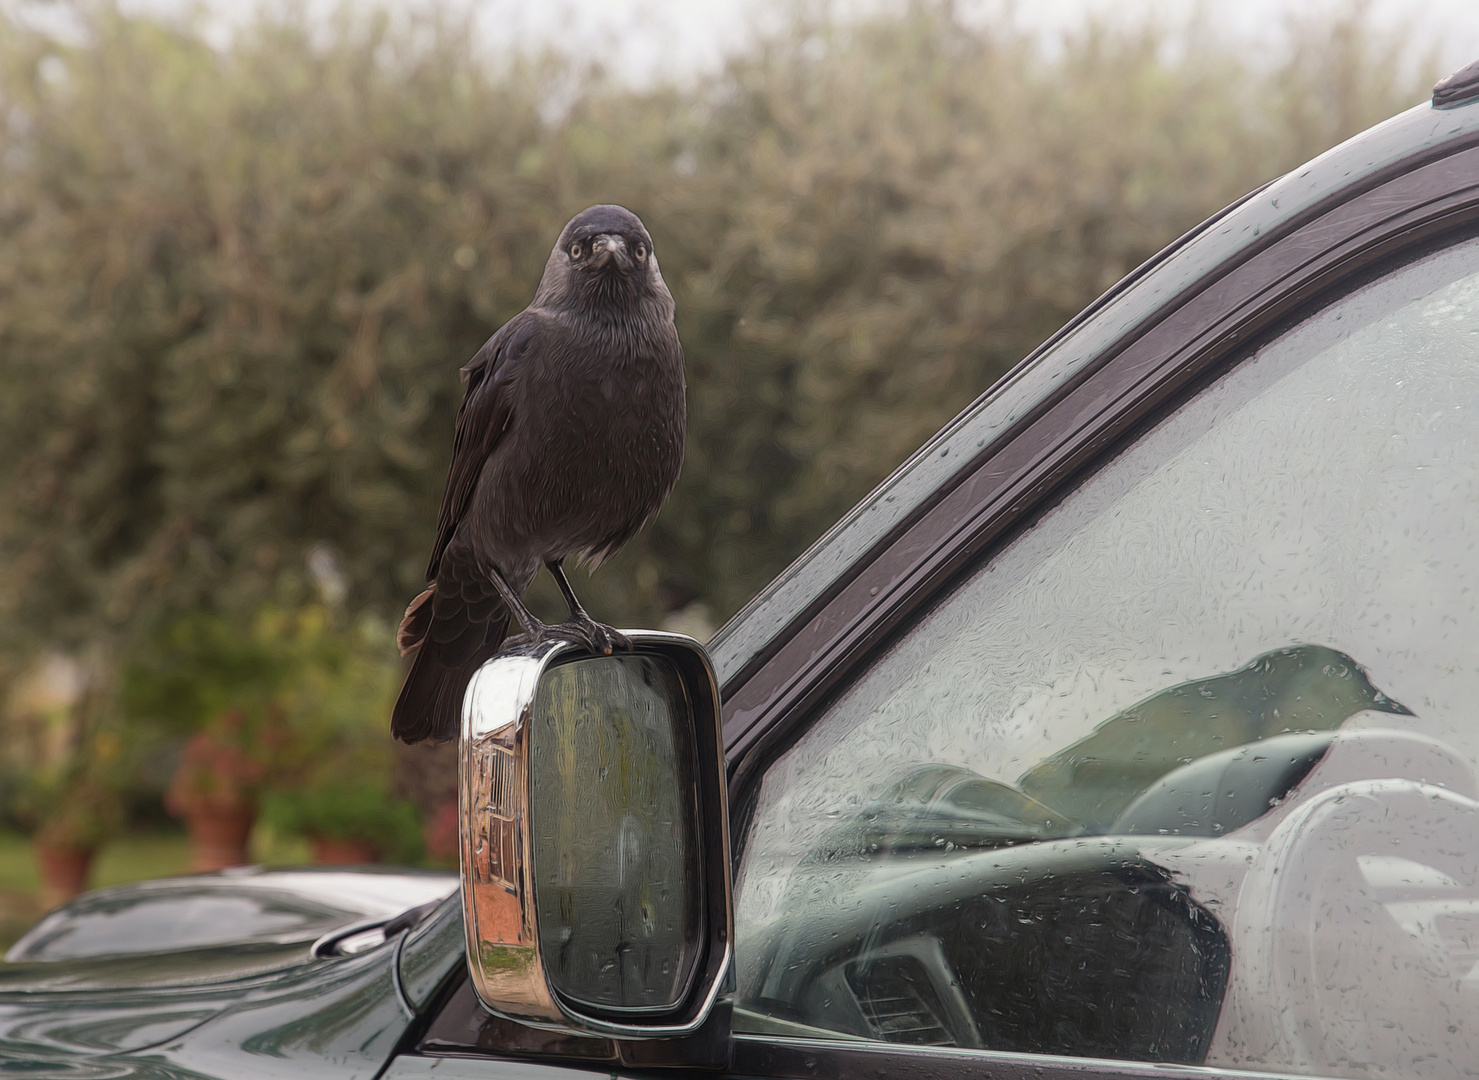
{"points": [[641, 251], [576, 251]]}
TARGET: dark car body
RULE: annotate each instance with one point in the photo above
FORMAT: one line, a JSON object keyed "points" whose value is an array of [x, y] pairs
{"points": [[287, 1001]]}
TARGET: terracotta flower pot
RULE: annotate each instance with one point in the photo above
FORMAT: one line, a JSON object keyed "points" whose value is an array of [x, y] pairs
{"points": [[218, 836], [332, 851], [63, 871]]}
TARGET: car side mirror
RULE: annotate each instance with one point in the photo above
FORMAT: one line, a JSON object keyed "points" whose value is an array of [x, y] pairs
{"points": [[595, 837]]}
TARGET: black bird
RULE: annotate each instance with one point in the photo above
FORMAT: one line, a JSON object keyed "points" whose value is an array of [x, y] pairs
{"points": [[569, 438]]}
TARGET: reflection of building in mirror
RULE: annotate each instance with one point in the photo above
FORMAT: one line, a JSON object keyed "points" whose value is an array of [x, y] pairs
{"points": [[495, 848]]}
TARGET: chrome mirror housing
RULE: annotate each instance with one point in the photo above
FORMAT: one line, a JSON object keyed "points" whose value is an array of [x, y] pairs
{"points": [[595, 837]]}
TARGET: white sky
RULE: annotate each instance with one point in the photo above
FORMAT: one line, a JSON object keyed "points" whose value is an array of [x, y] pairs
{"points": [[641, 35], [638, 37]]}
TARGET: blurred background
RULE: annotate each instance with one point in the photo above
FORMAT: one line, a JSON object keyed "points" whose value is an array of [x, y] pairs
{"points": [[244, 250]]}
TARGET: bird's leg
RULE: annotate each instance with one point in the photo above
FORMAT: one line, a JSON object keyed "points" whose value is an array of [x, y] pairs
{"points": [[598, 637], [534, 630]]}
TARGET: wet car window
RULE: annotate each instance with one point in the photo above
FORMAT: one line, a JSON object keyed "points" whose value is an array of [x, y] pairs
{"points": [[1187, 772]]}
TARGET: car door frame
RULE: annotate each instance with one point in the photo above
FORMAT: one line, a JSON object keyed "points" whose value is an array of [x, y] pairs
{"points": [[1423, 203]]}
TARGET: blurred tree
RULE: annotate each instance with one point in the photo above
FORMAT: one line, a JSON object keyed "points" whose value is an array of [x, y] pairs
{"points": [[231, 310], [902, 208], [236, 285]]}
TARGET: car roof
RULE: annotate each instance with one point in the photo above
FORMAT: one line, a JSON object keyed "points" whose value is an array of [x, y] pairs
{"points": [[1211, 249]]}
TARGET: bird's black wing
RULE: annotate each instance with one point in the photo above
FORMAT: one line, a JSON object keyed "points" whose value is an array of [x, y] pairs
{"points": [[454, 626], [481, 420]]}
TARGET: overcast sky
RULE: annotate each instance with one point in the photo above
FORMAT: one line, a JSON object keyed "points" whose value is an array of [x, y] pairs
{"points": [[639, 37]]}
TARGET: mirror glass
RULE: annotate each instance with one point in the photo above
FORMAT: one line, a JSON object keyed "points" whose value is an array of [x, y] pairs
{"points": [[614, 828]]}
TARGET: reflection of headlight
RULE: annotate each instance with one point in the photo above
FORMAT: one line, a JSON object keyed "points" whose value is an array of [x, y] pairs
{"points": [[1444, 927]]}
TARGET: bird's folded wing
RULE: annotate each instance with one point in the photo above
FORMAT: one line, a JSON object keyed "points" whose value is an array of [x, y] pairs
{"points": [[481, 420], [466, 609]]}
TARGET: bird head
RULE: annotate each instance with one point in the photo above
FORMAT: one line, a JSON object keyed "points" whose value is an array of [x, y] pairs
{"points": [[604, 256]]}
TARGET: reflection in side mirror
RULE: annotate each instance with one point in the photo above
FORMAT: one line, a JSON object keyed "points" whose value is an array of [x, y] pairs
{"points": [[595, 840], [615, 833]]}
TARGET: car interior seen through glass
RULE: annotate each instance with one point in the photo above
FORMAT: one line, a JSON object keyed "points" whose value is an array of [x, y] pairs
{"points": [[1193, 758]]}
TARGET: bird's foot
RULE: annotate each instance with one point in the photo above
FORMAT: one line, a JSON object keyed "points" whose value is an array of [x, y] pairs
{"points": [[534, 632], [597, 637]]}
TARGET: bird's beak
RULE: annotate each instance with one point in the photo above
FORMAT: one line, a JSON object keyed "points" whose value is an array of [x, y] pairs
{"points": [[608, 247]]}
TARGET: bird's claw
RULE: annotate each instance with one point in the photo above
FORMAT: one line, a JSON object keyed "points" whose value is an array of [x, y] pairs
{"points": [[597, 637], [533, 633], [518, 641]]}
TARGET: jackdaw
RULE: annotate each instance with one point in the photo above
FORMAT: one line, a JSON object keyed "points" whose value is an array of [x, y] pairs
{"points": [[569, 438]]}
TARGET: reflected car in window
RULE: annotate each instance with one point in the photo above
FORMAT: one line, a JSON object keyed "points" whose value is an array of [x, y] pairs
{"points": [[1129, 726]]}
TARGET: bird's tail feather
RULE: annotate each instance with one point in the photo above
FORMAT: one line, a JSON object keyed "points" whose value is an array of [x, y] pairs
{"points": [[430, 702], [415, 622]]}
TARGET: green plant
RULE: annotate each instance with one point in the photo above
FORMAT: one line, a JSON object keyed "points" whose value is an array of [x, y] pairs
{"points": [[80, 803], [219, 683], [343, 810], [206, 668], [284, 710], [335, 764], [219, 770], [283, 702], [83, 819]]}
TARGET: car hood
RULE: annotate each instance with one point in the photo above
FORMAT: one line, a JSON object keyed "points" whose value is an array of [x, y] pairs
{"points": [[136, 966], [247, 907]]}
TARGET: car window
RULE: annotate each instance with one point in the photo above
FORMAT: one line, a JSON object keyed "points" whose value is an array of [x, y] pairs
{"points": [[1186, 772]]}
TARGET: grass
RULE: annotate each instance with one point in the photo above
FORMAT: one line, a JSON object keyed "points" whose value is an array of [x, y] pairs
{"points": [[17, 867]]}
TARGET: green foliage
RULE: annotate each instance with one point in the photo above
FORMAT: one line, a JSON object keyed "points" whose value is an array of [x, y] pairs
{"points": [[346, 811], [77, 803], [910, 205], [203, 665], [284, 701], [236, 285], [69, 758], [276, 667]]}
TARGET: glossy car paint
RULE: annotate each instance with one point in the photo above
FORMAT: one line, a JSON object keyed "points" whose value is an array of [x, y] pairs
{"points": [[261, 1004], [1168, 325], [431, 953], [239, 907]]}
